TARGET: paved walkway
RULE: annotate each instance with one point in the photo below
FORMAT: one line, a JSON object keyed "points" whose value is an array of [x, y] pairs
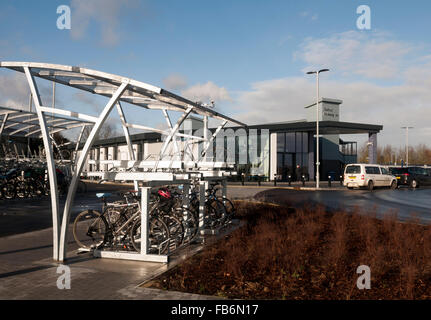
{"points": [[28, 272]]}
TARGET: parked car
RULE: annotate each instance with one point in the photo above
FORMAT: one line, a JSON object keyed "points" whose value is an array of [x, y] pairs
{"points": [[360, 175], [412, 176]]}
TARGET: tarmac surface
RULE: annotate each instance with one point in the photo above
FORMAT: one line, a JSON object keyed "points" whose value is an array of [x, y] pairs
{"points": [[405, 202]]}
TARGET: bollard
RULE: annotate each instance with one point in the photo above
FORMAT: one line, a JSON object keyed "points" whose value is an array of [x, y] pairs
{"points": [[258, 181], [289, 179], [329, 181], [275, 180], [242, 179], [303, 180], [341, 180]]}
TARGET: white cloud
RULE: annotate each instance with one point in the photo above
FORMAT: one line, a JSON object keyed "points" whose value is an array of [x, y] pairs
{"points": [[392, 106], [206, 92], [311, 16], [14, 91], [88, 100], [371, 55], [175, 81], [363, 67], [106, 13]]}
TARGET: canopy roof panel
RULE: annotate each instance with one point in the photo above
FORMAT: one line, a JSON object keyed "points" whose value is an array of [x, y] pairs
{"points": [[16, 122], [105, 84]]}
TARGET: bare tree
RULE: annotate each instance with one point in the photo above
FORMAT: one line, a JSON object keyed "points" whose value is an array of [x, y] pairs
{"points": [[418, 155], [106, 131]]}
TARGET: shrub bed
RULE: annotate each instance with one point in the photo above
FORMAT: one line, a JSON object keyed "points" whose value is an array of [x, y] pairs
{"points": [[309, 253]]}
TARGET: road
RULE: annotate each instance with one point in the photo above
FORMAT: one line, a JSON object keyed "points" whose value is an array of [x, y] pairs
{"points": [[404, 201], [25, 215]]}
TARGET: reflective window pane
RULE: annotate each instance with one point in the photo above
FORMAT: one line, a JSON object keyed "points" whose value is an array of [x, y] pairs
{"points": [[290, 142], [280, 142], [304, 142], [298, 142]]}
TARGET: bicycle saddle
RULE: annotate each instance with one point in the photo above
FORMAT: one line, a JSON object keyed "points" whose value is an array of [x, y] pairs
{"points": [[103, 195]]}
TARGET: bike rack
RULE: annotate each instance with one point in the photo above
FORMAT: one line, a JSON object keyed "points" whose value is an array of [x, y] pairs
{"points": [[118, 90], [156, 179]]}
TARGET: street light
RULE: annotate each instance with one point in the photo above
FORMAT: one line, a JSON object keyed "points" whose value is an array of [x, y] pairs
{"points": [[407, 144], [317, 124]]}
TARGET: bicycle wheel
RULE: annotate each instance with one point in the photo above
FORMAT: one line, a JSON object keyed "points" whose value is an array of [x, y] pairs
{"points": [[230, 208], [22, 189], [115, 219], [217, 216], [176, 231], [38, 189], [190, 223], [9, 190], [89, 229], [158, 236]]}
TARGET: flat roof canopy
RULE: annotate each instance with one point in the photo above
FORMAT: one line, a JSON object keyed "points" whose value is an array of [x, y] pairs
{"points": [[325, 127]]}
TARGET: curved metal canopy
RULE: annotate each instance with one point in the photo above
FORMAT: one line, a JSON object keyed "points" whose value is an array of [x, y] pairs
{"points": [[118, 89], [105, 84], [15, 122]]}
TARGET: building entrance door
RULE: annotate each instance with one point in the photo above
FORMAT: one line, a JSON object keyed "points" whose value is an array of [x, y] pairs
{"points": [[285, 165]]}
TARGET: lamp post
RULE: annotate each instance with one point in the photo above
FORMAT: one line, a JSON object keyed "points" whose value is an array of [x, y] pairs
{"points": [[317, 124], [407, 144]]}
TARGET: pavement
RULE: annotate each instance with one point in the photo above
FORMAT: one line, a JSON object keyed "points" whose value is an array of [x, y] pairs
{"points": [[28, 272]]}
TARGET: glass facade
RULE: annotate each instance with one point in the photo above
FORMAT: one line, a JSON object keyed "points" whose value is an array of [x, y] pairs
{"points": [[252, 155], [292, 151]]}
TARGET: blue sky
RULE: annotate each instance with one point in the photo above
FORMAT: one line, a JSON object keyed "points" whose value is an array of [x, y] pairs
{"points": [[249, 56]]}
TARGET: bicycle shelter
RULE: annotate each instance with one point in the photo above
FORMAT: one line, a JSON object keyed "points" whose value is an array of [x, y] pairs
{"points": [[118, 90], [22, 123]]}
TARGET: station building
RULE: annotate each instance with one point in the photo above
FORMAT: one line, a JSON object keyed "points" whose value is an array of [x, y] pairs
{"points": [[275, 150]]}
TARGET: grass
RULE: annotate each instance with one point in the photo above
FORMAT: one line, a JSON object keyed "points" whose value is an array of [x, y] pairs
{"points": [[283, 253]]}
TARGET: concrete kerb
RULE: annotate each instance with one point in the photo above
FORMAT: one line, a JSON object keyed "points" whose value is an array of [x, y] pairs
{"points": [[236, 185], [181, 257]]}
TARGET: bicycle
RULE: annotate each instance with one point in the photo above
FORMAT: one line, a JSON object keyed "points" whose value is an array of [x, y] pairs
{"points": [[119, 223]]}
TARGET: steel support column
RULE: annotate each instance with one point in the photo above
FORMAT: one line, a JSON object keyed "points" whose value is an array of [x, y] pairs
{"points": [[50, 163], [145, 199], [6, 116], [372, 147], [81, 133], [174, 131], [202, 189], [168, 121], [209, 143], [127, 136], [126, 131], [75, 177]]}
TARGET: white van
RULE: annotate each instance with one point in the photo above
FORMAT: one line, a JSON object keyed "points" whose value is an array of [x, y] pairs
{"points": [[360, 175]]}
